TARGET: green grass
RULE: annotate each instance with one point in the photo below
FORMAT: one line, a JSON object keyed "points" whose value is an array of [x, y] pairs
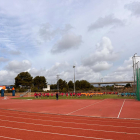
{"points": [[82, 97]]}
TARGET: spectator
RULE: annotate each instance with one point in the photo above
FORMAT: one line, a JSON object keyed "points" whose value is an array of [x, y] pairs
{"points": [[47, 94], [35, 95], [44, 94], [39, 95], [66, 94], [56, 96]]}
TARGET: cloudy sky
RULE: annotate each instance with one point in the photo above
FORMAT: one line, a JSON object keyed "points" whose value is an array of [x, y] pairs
{"points": [[47, 37]]}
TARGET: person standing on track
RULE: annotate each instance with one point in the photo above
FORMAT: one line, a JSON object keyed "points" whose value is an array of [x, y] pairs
{"points": [[56, 95]]}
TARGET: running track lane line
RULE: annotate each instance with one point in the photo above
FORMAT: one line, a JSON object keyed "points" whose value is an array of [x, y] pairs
{"points": [[68, 122], [55, 133], [84, 107], [73, 115], [69, 118], [9, 138], [115, 121], [121, 108], [72, 127]]}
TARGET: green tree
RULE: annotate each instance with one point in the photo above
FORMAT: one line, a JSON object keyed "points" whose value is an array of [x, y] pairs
{"points": [[62, 84], [40, 82], [24, 79], [54, 86], [77, 85], [70, 84], [84, 84]]}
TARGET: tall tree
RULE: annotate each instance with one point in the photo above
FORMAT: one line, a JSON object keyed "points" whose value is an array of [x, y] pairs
{"points": [[24, 79], [84, 84], [40, 82], [77, 84], [54, 86], [70, 84], [62, 84]]}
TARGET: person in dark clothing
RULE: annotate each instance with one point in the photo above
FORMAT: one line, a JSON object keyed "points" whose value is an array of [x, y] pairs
{"points": [[56, 95]]}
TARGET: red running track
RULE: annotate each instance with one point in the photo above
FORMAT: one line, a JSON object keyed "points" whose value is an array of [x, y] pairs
{"points": [[111, 108], [16, 125], [18, 122]]}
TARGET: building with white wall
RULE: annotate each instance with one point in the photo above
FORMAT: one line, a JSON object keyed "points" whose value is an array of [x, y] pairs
{"points": [[47, 89]]}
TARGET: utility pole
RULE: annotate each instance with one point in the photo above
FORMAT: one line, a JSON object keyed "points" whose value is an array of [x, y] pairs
{"points": [[57, 82]]}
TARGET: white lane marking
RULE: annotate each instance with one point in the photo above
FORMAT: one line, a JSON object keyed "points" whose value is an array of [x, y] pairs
{"points": [[96, 117], [65, 122], [54, 133], [84, 107], [9, 138], [121, 109], [94, 120], [70, 127]]}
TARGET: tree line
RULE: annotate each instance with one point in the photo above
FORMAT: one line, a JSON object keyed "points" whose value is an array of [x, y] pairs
{"points": [[24, 81], [64, 86]]}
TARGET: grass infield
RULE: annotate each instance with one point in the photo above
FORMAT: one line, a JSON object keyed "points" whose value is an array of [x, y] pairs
{"points": [[82, 97]]}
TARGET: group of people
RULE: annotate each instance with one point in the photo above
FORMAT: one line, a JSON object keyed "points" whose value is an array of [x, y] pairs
{"points": [[37, 95]]}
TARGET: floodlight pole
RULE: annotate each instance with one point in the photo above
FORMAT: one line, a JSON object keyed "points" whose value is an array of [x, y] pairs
{"points": [[74, 78]]}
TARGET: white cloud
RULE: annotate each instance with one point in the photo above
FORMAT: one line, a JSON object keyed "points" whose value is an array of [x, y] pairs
{"points": [[68, 41], [134, 7], [122, 73], [87, 73], [66, 72], [118, 76], [7, 77], [106, 21], [103, 53], [128, 65], [47, 32], [17, 66], [38, 30], [81, 73], [100, 66]]}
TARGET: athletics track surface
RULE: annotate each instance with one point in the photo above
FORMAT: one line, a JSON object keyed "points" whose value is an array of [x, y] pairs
{"points": [[18, 122]]}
